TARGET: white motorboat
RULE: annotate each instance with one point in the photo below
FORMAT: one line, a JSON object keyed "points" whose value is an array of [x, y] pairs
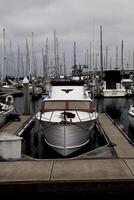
{"points": [[131, 116], [112, 84], [6, 109], [67, 117]]}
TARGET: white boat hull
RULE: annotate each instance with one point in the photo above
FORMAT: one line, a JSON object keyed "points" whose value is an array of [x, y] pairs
{"points": [[67, 116], [4, 115], [131, 119], [114, 92], [67, 138]]}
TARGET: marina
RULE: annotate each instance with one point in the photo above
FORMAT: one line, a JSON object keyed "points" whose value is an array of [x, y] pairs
{"points": [[105, 164], [108, 168], [67, 98]]}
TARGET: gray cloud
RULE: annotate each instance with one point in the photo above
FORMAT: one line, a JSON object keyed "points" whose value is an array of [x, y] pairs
{"points": [[77, 20]]}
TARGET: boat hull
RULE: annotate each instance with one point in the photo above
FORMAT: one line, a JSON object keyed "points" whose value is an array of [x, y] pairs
{"points": [[4, 115], [131, 119], [67, 138], [114, 92]]}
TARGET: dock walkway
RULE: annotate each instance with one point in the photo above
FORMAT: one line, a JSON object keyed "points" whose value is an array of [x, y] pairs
{"points": [[101, 175], [120, 144], [17, 127]]}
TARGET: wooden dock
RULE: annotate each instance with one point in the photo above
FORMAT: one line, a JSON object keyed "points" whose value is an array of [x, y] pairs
{"points": [[64, 176], [121, 145], [17, 127]]}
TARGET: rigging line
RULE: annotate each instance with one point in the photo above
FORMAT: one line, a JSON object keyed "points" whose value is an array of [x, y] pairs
{"points": [[51, 116], [77, 114], [89, 116], [50, 125]]}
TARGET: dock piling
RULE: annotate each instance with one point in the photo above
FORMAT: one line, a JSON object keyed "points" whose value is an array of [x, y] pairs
{"points": [[26, 96]]}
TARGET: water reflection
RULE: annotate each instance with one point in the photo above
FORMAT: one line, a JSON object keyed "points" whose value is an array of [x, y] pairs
{"points": [[117, 109]]}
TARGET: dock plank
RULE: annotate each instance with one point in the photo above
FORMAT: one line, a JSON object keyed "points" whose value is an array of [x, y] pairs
{"points": [[66, 170], [25, 171], [15, 126], [122, 146], [91, 169]]}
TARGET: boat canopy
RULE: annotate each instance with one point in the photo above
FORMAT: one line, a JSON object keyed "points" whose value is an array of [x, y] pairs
{"points": [[80, 105]]}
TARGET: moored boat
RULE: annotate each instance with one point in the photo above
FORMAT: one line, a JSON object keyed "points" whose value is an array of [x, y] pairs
{"points": [[112, 84], [131, 116], [67, 117]]}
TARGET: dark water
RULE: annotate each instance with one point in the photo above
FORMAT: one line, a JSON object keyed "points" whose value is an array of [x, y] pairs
{"points": [[117, 109], [33, 139]]}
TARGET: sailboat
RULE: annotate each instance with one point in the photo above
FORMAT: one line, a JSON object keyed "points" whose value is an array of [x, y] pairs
{"points": [[67, 116]]}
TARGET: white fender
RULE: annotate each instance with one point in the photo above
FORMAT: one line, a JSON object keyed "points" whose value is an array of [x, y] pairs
{"points": [[9, 99]]}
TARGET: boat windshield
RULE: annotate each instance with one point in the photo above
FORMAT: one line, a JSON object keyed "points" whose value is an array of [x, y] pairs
{"points": [[81, 105]]}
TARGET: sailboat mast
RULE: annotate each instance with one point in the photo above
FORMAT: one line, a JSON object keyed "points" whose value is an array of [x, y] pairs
{"points": [[90, 56], [32, 66], [87, 58], [101, 54], [27, 61], [11, 60], [4, 55], [74, 54], [133, 60], [64, 63], [133, 66], [18, 65], [47, 59], [110, 63], [116, 56], [55, 54], [106, 63], [44, 65], [122, 55], [22, 64]]}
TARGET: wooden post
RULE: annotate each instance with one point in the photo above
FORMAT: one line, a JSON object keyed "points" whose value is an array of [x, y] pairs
{"points": [[33, 86], [26, 96]]}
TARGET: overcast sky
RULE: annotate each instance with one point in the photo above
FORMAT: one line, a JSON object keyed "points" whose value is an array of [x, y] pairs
{"points": [[73, 20]]}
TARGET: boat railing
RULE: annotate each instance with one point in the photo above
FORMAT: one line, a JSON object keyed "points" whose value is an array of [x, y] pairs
{"points": [[78, 115], [51, 116]]}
